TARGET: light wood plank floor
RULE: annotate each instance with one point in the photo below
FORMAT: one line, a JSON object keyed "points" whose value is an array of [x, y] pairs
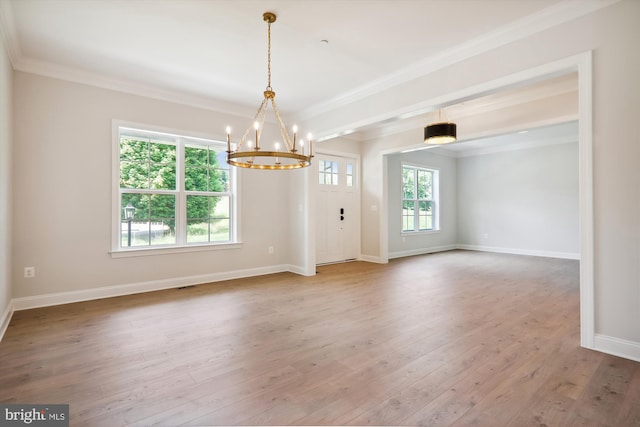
{"points": [[457, 338]]}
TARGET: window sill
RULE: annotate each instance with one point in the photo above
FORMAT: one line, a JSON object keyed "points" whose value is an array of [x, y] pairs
{"points": [[165, 250], [418, 233]]}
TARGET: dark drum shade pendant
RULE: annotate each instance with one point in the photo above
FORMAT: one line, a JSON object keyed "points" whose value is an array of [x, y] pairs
{"points": [[440, 133]]}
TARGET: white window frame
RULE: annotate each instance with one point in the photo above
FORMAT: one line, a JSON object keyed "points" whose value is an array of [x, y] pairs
{"points": [[181, 138], [435, 196]]}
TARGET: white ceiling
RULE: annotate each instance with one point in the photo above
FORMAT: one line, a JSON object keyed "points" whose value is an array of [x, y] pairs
{"points": [[214, 51]]}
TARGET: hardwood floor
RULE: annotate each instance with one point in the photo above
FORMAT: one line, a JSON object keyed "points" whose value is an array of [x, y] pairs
{"points": [[457, 338]]}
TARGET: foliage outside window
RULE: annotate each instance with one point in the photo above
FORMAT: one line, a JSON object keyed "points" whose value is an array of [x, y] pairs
{"points": [[419, 198], [180, 189]]}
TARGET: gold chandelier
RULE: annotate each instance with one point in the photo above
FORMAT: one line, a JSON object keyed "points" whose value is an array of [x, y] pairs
{"points": [[248, 153]]}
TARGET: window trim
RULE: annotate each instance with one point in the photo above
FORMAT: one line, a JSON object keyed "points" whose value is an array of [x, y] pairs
{"points": [[435, 191], [118, 252]]}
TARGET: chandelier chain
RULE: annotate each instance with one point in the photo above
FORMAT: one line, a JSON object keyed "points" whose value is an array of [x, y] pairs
{"points": [[269, 55]]}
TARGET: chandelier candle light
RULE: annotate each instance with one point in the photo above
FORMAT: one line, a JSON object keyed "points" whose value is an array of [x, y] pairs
{"points": [[246, 154]]}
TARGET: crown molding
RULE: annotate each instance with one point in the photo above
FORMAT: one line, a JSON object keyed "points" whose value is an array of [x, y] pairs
{"points": [[19, 62], [534, 93], [75, 75], [8, 32], [506, 147], [523, 145], [552, 16], [448, 152]]}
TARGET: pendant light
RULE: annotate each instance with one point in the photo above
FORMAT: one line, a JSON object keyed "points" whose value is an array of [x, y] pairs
{"points": [[440, 132]]}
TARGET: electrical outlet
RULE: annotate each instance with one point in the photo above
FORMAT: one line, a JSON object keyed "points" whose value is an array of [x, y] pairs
{"points": [[270, 250], [29, 272]]}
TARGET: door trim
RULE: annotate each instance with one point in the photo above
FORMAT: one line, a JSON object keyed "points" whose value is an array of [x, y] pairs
{"points": [[357, 190]]}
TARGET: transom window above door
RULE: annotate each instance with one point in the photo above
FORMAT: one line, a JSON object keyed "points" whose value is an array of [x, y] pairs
{"points": [[328, 173]]}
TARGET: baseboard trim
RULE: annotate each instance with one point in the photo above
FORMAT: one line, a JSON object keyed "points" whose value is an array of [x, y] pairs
{"points": [[298, 269], [59, 298], [421, 251], [512, 251], [617, 347], [6, 319], [370, 258]]}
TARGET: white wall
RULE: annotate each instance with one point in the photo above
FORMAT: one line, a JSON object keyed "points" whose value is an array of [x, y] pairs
{"points": [[521, 201], [342, 145], [299, 226], [416, 243], [6, 75], [616, 172], [612, 34], [62, 192]]}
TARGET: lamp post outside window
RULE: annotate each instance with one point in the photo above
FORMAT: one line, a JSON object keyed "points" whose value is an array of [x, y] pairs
{"points": [[128, 215]]}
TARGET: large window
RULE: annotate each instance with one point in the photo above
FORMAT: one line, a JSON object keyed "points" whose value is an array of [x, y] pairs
{"points": [[419, 199], [172, 191]]}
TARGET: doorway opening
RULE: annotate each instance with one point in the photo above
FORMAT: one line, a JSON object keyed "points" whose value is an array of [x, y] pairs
{"points": [[581, 65]]}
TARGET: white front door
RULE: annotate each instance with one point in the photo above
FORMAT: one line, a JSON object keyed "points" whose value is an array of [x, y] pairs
{"points": [[337, 215]]}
